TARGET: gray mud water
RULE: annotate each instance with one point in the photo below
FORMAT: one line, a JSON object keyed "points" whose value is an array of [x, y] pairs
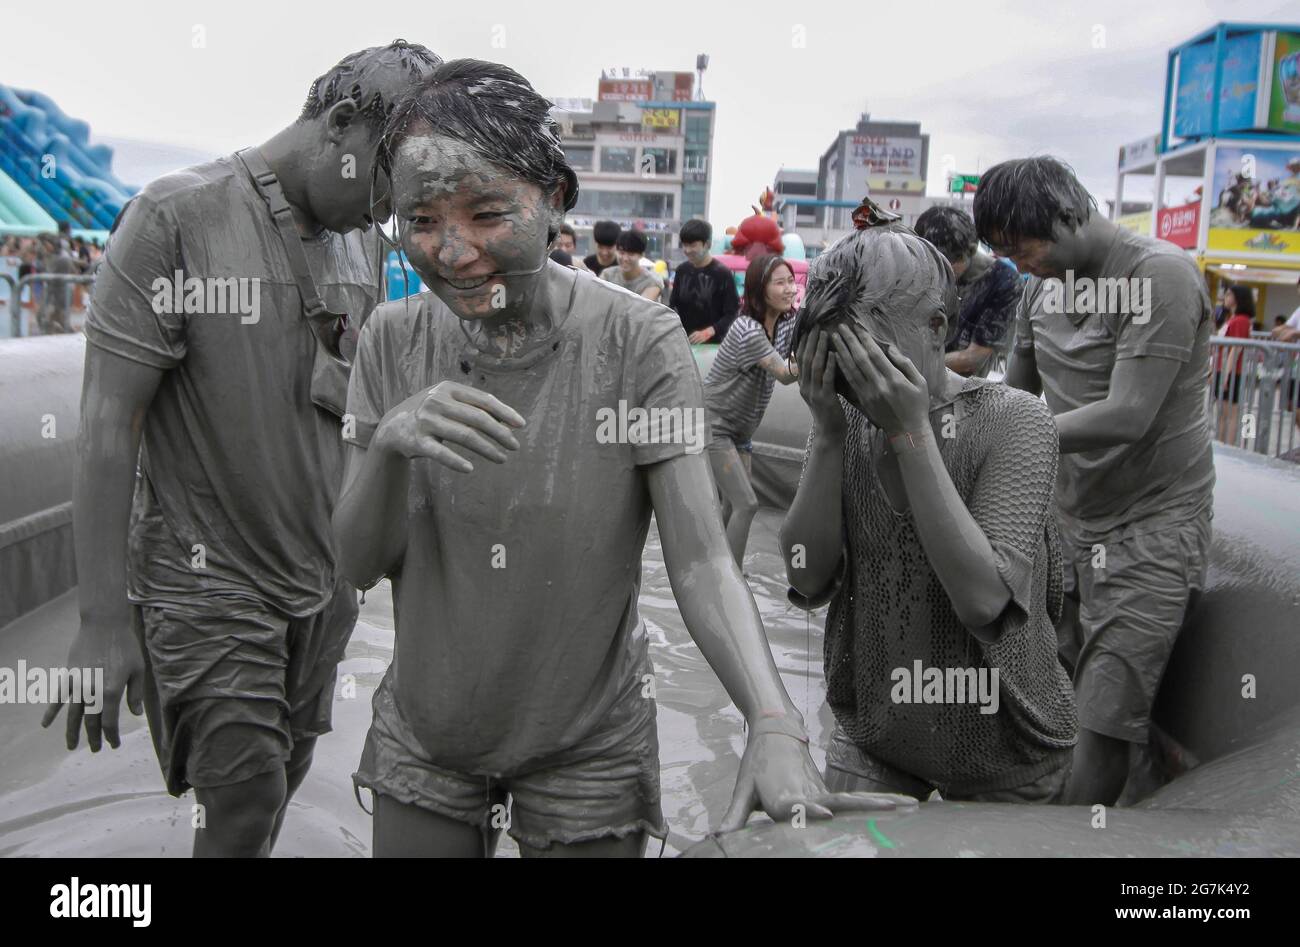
{"points": [[55, 803]]}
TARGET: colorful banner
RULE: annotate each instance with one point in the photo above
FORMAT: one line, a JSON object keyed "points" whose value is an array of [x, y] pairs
{"points": [[963, 184], [1138, 223], [1180, 225], [1256, 201], [669, 119], [1238, 86], [625, 90], [889, 157], [1284, 104]]}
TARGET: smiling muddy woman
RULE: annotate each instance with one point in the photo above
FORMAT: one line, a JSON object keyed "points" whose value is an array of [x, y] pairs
{"points": [[478, 474]]}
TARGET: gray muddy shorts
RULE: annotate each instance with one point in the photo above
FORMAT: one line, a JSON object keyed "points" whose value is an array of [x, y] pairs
{"points": [[605, 786], [1131, 596]]}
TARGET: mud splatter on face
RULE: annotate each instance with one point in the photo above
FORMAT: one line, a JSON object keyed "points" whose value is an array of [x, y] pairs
{"points": [[475, 232]]}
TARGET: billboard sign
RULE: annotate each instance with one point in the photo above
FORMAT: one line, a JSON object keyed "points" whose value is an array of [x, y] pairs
{"points": [[1284, 102], [880, 163], [625, 90], [1180, 225], [1241, 76], [1256, 201], [664, 119], [886, 157], [1139, 153], [963, 183], [674, 86]]}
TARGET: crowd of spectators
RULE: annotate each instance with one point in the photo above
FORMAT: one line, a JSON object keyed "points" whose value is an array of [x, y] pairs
{"points": [[54, 253]]}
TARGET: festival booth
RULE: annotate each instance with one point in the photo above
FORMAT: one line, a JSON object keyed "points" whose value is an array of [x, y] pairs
{"points": [[1226, 163]]}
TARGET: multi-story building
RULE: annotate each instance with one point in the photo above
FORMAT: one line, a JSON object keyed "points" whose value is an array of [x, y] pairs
{"points": [[886, 160], [642, 152]]}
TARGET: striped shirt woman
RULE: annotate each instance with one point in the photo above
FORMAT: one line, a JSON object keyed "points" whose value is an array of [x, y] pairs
{"points": [[750, 360]]}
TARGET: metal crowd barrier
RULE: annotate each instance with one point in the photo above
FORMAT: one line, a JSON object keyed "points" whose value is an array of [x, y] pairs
{"points": [[1253, 395], [16, 287]]}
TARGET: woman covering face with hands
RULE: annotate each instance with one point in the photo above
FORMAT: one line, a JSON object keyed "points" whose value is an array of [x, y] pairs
{"points": [[924, 517]]}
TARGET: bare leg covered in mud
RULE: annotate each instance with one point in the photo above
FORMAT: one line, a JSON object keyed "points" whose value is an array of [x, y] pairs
{"points": [[1101, 766], [731, 471], [244, 819], [403, 830]]}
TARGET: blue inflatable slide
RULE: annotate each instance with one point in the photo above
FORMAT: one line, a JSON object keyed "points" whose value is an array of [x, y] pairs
{"points": [[49, 157]]}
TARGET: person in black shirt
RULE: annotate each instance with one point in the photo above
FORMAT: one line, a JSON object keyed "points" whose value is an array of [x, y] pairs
{"points": [[605, 234], [704, 291]]}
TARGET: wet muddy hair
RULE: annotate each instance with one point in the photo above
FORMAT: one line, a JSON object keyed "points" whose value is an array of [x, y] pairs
{"points": [[1025, 197], [882, 277], [495, 111], [354, 77], [950, 229]]}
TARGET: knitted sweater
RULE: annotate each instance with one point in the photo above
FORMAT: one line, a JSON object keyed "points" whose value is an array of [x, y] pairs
{"points": [[889, 610]]}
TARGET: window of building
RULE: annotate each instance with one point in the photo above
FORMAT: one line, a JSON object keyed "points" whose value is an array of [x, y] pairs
{"points": [[617, 160], [697, 128], [692, 201], [579, 158], [696, 162], [808, 189], [624, 204], [661, 160]]}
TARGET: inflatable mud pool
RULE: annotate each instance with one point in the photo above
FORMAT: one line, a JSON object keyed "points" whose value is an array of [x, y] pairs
{"points": [[1224, 778]]}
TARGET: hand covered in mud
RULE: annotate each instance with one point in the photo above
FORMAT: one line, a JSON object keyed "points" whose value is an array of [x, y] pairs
{"points": [[776, 774], [450, 413], [112, 646], [888, 387], [817, 375]]}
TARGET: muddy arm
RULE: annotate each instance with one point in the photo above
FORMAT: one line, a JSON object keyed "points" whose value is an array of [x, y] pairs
{"points": [[115, 396], [1138, 387], [370, 519]]}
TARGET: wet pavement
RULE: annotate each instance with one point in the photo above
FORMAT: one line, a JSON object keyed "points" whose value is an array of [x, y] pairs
{"points": [[55, 803]]}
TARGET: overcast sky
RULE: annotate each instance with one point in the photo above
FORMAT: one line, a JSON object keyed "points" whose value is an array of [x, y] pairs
{"points": [[987, 81]]}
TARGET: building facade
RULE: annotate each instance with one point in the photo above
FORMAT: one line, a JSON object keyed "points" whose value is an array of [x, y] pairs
{"points": [[642, 151], [886, 160]]}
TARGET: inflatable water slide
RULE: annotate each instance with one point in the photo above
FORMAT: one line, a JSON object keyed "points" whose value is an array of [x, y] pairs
{"points": [[49, 170]]}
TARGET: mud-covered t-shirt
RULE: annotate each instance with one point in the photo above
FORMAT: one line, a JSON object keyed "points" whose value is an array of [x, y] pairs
{"points": [[516, 599], [239, 469], [737, 388], [1171, 467], [637, 284]]}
